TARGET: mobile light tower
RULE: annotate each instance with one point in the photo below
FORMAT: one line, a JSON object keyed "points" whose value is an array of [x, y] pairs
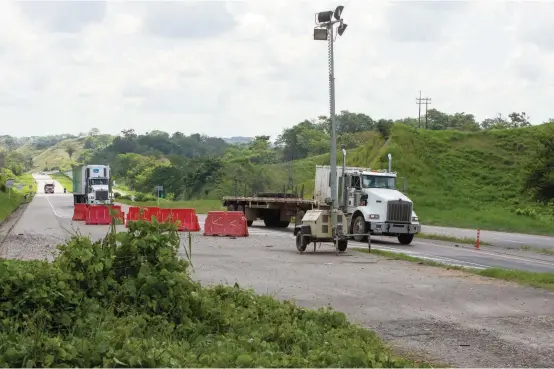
{"points": [[324, 31]]}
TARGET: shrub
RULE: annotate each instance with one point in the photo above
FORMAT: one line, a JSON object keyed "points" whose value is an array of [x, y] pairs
{"points": [[116, 195], [128, 300], [125, 197]]}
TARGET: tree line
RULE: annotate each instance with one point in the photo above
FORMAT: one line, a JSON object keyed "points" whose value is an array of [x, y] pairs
{"points": [[192, 165]]}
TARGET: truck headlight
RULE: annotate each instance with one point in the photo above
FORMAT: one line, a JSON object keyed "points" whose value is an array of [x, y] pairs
{"points": [[415, 219], [373, 216]]}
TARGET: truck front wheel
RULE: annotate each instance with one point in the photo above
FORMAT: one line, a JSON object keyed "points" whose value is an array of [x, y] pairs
{"points": [[359, 226], [405, 239]]}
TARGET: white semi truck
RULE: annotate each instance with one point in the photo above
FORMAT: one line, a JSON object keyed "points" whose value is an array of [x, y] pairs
{"points": [[371, 205], [92, 184], [370, 201]]}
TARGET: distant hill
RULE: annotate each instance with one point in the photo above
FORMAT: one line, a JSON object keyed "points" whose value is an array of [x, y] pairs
{"points": [[238, 140]]}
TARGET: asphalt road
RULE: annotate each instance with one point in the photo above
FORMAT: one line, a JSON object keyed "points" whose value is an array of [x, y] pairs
{"points": [[450, 253], [502, 239], [455, 254], [446, 316]]}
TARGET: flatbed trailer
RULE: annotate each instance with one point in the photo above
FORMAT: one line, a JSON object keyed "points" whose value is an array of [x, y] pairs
{"points": [[275, 209]]}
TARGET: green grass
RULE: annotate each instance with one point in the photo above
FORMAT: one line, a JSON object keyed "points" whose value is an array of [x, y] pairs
{"points": [[533, 279], [457, 179], [64, 180], [201, 206], [9, 203], [57, 157]]}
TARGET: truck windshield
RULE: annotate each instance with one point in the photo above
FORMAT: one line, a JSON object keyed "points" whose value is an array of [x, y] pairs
{"points": [[98, 181], [370, 181]]}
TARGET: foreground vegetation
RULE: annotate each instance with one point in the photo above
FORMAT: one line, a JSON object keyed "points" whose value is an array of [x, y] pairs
{"points": [[533, 279], [128, 301], [11, 201]]}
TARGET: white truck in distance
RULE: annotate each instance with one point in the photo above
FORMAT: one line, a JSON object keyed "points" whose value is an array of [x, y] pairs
{"points": [[92, 184], [372, 202]]}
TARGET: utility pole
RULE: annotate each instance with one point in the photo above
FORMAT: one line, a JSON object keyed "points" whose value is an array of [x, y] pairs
{"points": [[427, 102], [419, 101]]}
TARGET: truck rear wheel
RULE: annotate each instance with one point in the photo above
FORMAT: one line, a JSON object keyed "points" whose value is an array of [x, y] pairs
{"points": [[359, 226], [405, 239], [230, 207], [249, 223]]}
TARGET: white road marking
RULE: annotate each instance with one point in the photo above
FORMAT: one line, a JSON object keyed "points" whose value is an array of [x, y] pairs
{"points": [[54, 210], [482, 252]]}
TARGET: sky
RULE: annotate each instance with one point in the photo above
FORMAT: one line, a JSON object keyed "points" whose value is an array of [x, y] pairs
{"points": [[245, 68]]}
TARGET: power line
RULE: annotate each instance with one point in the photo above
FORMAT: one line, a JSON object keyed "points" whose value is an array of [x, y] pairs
{"points": [[419, 102]]}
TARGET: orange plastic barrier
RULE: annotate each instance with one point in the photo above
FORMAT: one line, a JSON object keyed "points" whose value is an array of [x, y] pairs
{"points": [[148, 213], [186, 219], [226, 223], [80, 212], [98, 214]]}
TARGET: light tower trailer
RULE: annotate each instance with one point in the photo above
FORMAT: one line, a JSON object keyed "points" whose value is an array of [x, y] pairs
{"points": [[370, 205]]}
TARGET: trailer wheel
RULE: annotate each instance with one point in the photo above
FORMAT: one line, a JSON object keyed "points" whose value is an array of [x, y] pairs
{"points": [[282, 224], [231, 207], [405, 239], [240, 208], [301, 242], [359, 226], [342, 245]]}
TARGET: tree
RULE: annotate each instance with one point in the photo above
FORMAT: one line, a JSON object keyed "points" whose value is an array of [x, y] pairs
{"points": [[518, 120], [94, 132], [69, 149]]}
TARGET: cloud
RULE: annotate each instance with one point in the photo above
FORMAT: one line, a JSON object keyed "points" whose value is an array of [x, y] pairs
{"points": [[64, 16], [250, 67]]}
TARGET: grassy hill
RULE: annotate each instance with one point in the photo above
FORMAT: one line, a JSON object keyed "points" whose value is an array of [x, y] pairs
{"points": [[56, 156], [457, 179]]}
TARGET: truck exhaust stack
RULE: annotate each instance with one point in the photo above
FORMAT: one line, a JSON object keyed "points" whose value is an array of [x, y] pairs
{"points": [[343, 189], [390, 162]]}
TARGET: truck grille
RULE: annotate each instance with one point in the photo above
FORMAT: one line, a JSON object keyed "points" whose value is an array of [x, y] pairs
{"points": [[101, 195], [399, 211]]}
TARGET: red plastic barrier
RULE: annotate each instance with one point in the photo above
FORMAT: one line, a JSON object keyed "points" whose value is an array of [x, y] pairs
{"points": [[147, 214], [80, 212], [98, 214], [186, 219], [226, 223]]}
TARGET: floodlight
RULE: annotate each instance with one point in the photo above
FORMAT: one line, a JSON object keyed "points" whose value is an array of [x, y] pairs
{"points": [[320, 34], [342, 28], [338, 12], [324, 17]]}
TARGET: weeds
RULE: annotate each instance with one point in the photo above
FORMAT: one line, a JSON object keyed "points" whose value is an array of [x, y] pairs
{"points": [[128, 300]]}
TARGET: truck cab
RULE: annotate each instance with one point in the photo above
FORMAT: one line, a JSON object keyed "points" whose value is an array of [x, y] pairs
{"points": [[49, 187], [97, 190], [378, 207], [371, 201]]}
